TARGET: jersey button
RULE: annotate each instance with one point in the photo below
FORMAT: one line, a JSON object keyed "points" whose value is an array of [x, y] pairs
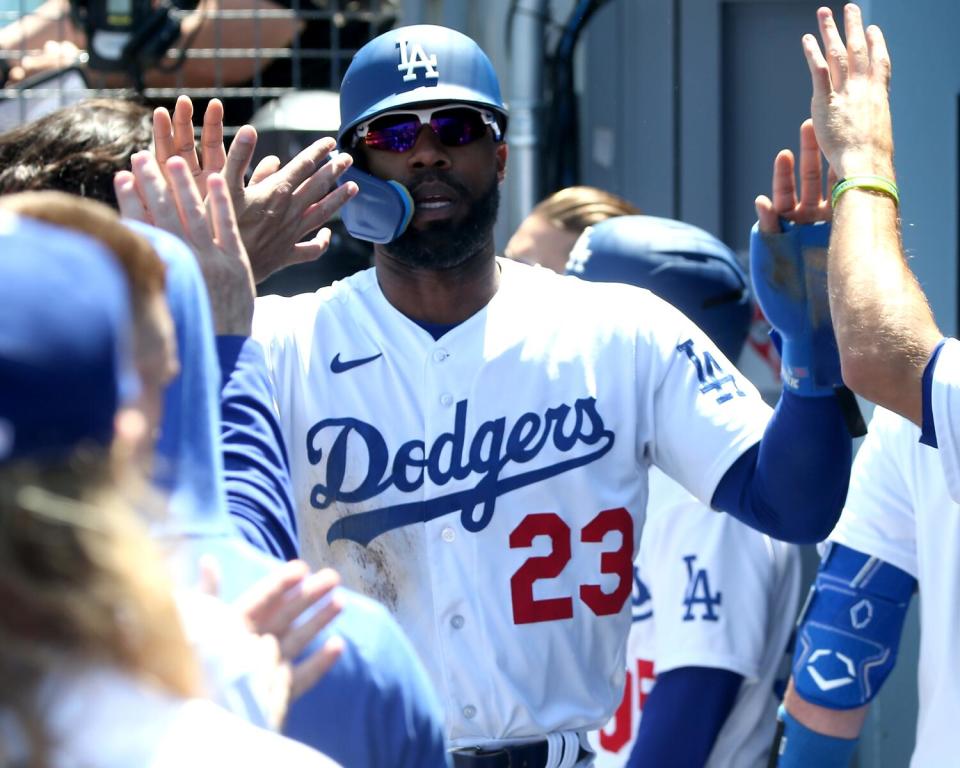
{"points": [[457, 622], [446, 399], [447, 534], [440, 355], [469, 712]]}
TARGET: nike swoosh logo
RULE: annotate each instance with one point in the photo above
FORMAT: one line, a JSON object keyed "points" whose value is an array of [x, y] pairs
{"points": [[339, 366]]}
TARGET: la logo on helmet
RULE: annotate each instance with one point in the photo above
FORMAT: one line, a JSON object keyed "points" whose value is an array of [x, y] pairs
{"points": [[412, 57]]}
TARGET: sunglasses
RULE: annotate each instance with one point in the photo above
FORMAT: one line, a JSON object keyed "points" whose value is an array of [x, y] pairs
{"points": [[454, 126]]}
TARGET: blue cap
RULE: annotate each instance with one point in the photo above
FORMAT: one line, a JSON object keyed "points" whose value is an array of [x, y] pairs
{"points": [[416, 65], [65, 327], [682, 264]]}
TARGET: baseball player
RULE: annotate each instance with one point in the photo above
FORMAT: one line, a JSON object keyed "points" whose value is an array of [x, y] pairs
{"points": [[887, 542], [470, 437], [894, 354], [714, 601]]}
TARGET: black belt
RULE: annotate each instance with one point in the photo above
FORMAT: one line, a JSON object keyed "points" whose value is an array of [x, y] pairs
{"points": [[533, 755]]}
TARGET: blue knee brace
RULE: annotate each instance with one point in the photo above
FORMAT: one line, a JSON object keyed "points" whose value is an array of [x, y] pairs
{"points": [[849, 630]]}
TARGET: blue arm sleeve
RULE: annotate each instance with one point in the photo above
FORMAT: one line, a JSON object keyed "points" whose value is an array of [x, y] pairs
{"points": [[374, 708], [704, 696], [257, 470], [793, 483], [800, 747]]}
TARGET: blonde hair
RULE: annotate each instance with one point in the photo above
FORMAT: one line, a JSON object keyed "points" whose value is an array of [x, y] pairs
{"points": [[82, 584], [576, 208]]}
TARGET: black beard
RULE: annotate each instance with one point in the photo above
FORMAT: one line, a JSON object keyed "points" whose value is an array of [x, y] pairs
{"points": [[445, 244]]}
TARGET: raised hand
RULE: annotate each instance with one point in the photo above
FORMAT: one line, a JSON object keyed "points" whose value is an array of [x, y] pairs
{"points": [[812, 205], [173, 137], [294, 605], [209, 227], [281, 205], [851, 103]]}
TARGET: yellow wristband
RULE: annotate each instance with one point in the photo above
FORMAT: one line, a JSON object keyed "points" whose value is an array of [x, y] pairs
{"points": [[870, 183]]}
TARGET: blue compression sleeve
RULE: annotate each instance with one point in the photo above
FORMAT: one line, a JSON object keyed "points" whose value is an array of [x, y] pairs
{"points": [[793, 483], [800, 747], [683, 715], [257, 470]]}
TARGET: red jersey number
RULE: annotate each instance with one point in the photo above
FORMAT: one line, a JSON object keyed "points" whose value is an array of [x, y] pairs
{"points": [[527, 609]]}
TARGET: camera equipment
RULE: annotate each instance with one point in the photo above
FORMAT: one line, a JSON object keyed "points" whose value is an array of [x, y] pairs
{"points": [[126, 35]]}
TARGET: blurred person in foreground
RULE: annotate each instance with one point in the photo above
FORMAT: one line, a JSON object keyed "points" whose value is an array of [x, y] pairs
{"points": [[96, 664]]}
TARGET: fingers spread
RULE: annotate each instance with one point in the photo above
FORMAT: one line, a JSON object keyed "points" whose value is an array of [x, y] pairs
{"points": [[238, 158], [162, 134], [189, 204], [128, 199], [767, 219], [313, 163], [211, 137], [784, 184], [817, 64], [879, 57], [319, 213], [183, 138], [156, 193], [305, 596], [811, 167], [834, 47], [311, 669], [859, 62], [266, 167], [293, 643], [260, 602]]}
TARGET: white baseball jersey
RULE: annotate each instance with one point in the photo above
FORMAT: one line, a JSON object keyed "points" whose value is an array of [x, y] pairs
{"points": [[899, 509], [945, 404], [709, 592], [490, 486]]}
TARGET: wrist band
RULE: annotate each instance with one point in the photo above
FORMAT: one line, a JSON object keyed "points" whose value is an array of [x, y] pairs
{"points": [[871, 183]]}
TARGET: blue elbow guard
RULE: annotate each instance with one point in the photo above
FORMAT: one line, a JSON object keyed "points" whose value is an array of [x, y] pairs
{"points": [[789, 274], [849, 630], [381, 210]]}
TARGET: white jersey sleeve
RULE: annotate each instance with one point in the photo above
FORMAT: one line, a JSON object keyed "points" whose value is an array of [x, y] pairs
{"points": [[945, 404], [878, 518], [705, 411]]}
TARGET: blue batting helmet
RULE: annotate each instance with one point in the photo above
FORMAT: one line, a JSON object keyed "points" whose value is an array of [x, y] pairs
{"points": [[678, 262], [417, 65]]}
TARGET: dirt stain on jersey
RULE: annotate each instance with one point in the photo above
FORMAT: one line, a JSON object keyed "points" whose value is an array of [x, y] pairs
{"points": [[379, 570]]}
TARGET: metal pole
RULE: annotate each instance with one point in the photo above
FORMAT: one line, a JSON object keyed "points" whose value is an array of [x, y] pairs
{"points": [[525, 101]]}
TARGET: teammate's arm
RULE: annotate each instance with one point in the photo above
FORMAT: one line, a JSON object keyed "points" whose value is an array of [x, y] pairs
{"points": [[815, 735], [769, 487], [847, 643], [884, 326], [257, 471], [704, 696], [256, 466]]}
